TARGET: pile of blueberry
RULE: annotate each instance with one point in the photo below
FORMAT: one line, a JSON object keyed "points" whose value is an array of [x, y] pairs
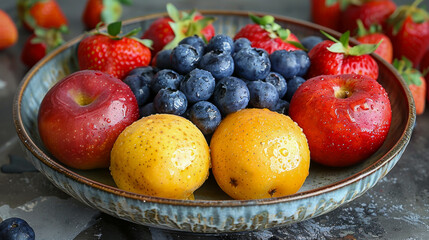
{"points": [[205, 82]]}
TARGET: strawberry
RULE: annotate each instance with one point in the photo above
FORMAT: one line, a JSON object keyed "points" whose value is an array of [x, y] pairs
{"points": [[320, 9], [113, 54], [408, 29], [374, 35], [266, 34], [332, 57], [368, 11], [41, 13], [9, 33], [41, 42], [415, 82], [105, 11], [167, 32]]}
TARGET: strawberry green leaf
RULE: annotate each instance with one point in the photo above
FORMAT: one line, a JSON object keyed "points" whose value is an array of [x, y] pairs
{"points": [[418, 15], [114, 28], [297, 44], [283, 33], [363, 49], [362, 31], [329, 36], [111, 12], [273, 29], [195, 28], [329, 3], [265, 20], [173, 12], [147, 42], [337, 48], [425, 71], [413, 78], [51, 37], [133, 32], [405, 68], [126, 2], [344, 39]]}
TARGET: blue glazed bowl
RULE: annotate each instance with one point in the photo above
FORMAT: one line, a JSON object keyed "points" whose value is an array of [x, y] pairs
{"points": [[213, 211]]}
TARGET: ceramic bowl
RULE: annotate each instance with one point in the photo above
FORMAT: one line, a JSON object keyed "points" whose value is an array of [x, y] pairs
{"points": [[213, 211]]}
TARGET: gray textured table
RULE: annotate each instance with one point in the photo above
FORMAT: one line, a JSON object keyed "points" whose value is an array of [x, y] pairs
{"points": [[396, 208]]}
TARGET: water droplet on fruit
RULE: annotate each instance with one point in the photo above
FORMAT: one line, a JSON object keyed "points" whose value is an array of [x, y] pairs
{"points": [[183, 157], [283, 152]]}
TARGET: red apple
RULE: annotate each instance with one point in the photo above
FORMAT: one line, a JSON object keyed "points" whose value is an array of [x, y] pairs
{"points": [[82, 115], [345, 117]]}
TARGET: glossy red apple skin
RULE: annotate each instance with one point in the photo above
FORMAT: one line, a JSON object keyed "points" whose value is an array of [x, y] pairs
{"points": [[346, 129], [81, 116]]}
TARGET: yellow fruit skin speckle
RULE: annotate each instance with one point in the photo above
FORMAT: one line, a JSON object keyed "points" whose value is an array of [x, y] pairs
{"points": [[257, 153], [161, 155]]}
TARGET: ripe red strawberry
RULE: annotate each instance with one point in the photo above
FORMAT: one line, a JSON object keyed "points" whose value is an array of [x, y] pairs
{"points": [[41, 13], [113, 54], [408, 29], [105, 11], [41, 42], [321, 9], [369, 12], [415, 81], [167, 32], [332, 57], [374, 35], [266, 34], [9, 33]]}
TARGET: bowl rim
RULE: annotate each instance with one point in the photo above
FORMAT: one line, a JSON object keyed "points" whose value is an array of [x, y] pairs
{"points": [[69, 173]]}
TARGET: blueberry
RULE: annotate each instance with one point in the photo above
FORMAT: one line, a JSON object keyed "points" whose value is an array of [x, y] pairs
{"points": [[310, 41], [184, 58], [144, 73], [198, 85], [162, 59], [278, 81], [221, 42], [252, 64], [303, 62], [262, 94], [165, 78], [282, 106], [231, 94], [241, 43], [170, 101], [16, 229], [206, 116], [219, 63], [147, 110], [140, 88], [195, 41], [285, 63], [293, 85]]}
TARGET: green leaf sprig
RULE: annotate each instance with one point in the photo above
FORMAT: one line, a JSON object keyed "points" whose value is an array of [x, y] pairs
{"points": [[342, 45]]}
